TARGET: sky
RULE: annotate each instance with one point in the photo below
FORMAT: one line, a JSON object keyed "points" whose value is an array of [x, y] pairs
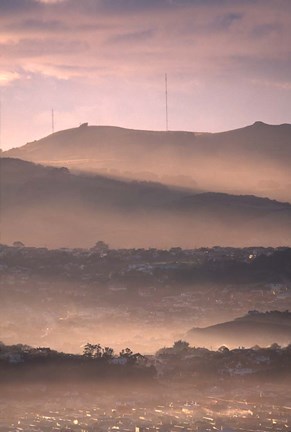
{"points": [[228, 64]]}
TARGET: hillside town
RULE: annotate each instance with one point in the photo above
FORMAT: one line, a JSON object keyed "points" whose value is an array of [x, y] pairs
{"points": [[192, 389], [161, 294]]}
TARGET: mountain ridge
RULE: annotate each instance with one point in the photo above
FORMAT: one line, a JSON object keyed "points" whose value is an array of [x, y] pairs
{"points": [[54, 206], [253, 160], [255, 328], [256, 126]]}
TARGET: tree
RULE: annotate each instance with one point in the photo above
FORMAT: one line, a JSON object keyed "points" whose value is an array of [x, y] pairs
{"points": [[100, 247], [98, 350], [275, 346], [131, 358], [126, 353], [108, 353], [139, 359], [88, 350], [180, 346], [93, 351], [223, 349], [18, 244]]}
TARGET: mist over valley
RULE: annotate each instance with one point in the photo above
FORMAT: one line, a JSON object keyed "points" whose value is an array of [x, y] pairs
{"points": [[145, 216], [253, 160], [46, 206]]}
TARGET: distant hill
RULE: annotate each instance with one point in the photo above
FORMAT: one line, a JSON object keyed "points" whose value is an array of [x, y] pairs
{"points": [[53, 207], [252, 160], [252, 329]]}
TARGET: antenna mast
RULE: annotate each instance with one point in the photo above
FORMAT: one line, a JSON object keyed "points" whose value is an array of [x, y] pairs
{"points": [[53, 121], [0, 122], [166, 95]]}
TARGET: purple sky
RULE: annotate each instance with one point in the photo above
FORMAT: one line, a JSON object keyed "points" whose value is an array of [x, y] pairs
{"points": [[103, 62]]}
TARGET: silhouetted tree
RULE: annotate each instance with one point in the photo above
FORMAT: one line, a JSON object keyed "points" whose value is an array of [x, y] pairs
{"points": [[223, 349], [180, 345], [126, 353], [100, 247], [275, 346], [108, 353], [132, 358], [18, 244], [93, 351], [88, 350]]}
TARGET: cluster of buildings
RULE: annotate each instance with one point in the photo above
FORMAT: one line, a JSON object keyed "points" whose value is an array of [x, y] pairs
{"points": [[57, 295], [217, 412]]}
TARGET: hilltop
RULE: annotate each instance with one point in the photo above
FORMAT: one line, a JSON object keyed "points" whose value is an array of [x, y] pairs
{"points": [[255, 328], [251, 160]]}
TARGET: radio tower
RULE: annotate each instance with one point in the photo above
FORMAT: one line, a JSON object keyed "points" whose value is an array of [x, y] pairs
{"points": [[53, 121], [0, 122], [166, 95]]}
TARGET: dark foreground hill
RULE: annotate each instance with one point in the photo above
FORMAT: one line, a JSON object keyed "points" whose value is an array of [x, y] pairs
{"points": [[53, 207], [252, 160], [252, 329]]}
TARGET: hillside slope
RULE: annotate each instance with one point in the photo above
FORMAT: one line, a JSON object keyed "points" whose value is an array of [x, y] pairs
{"points": [[252, 329], [251, 160], [51, 206]]}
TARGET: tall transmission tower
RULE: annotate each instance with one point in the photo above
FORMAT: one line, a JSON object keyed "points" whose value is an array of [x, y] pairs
{"points": [[166, 96], [53, 121], [0, 123]]}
